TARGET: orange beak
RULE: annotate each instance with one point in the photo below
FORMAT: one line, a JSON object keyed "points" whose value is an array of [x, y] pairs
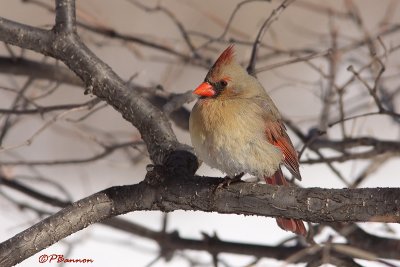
{"points": [[204, 89]]}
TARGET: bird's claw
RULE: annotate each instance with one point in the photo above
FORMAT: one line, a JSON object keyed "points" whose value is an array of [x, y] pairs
{"points": [[228, 180]]}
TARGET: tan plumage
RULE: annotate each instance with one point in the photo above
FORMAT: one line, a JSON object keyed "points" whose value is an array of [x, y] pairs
{"points": [[235, 127]]}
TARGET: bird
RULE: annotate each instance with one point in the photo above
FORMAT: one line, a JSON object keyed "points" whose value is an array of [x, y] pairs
{"points": [[235, 127]]}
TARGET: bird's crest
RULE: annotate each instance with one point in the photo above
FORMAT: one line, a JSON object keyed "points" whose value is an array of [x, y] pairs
{"points": [[226, 57]]}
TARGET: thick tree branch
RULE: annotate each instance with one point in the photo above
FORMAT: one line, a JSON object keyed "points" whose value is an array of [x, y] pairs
{"points": [[62, 43], [169, 241], [313, 204], [25, 36], [380, 246]]}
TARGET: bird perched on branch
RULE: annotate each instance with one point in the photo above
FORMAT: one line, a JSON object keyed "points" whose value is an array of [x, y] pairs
{"points": [[236, 128]]}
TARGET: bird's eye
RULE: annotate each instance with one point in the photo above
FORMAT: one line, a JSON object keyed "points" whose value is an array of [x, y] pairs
{"points": [[223, 83]]}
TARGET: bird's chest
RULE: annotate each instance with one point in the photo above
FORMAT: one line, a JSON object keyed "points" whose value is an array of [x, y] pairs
{"points": [[220, 149], [232, 141]]}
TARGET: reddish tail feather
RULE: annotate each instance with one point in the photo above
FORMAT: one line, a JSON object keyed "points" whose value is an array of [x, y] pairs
{"points": [[293, 225]]}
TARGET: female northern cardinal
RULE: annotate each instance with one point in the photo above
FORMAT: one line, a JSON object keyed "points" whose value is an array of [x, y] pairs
{"points": [[236, 128]]}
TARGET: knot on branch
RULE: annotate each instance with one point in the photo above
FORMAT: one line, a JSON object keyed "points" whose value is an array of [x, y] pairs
{"points": [[181, 162]]}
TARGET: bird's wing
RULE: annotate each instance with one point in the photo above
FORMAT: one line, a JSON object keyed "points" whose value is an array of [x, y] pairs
{"points": [[276, 134]]}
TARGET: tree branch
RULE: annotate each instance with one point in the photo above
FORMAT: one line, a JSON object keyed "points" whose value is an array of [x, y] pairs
{"points": [[99, 79], [56, 73], [114, 34], [251, 68], [38, 70], [212, 244], [65, 16], [312, 204], [383, 247], [107, 150], [169, 241]]}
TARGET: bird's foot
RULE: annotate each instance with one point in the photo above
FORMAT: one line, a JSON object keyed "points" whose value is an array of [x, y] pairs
{"points": [[228, 180]]}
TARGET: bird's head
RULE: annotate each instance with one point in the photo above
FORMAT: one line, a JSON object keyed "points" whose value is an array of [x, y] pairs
{"points": [[226, 79]]}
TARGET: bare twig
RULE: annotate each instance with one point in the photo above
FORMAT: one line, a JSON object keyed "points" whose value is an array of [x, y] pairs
{"points": [[251, 68]]}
